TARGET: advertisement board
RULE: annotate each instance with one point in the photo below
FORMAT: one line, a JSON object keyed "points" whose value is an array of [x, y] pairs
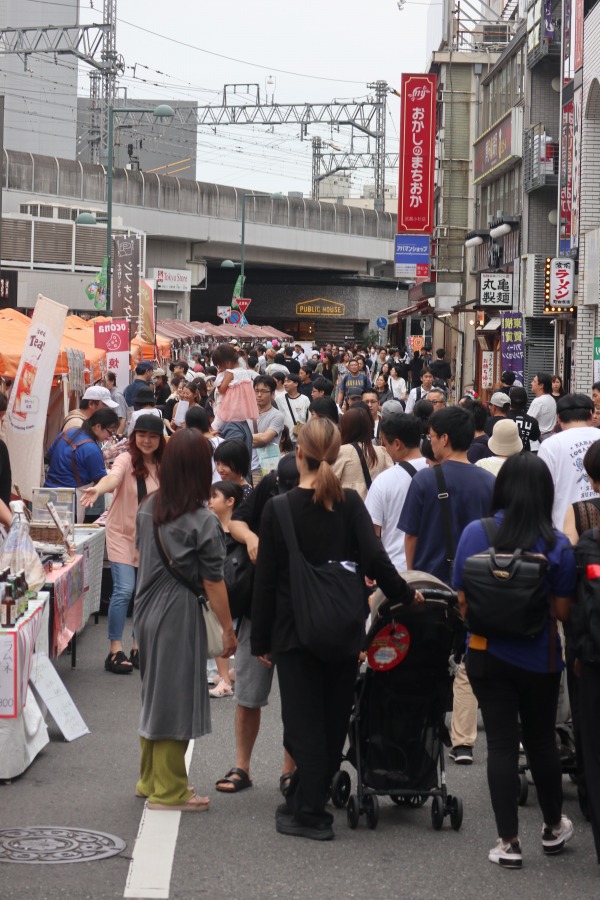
{"points": [[411, 256], [113, 338], [417, 154]]}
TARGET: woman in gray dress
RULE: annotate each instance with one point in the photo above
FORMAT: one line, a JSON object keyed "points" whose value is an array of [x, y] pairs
{"points": [[169, 623]]}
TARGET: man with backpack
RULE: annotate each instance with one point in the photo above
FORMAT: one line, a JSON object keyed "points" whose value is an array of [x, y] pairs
{"points": [[400, 434], [420, 392], [439, 505]]}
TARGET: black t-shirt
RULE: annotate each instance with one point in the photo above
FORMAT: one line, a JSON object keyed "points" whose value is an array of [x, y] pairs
{"points": [[292, 365], [489, 425], [441, 370], [529, 428]]}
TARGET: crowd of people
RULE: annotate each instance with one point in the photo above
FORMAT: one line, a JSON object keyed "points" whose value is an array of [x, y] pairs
{"points": [[380, 471]]}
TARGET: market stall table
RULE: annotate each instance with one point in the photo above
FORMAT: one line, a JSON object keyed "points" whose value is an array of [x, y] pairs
{"points": [[67, 585], [23, 731], [89, 543]]}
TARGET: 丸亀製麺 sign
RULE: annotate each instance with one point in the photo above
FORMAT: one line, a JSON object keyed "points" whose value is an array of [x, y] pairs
{"points": [[562, 273], [320, 308], [417, 154], [495, 289]]}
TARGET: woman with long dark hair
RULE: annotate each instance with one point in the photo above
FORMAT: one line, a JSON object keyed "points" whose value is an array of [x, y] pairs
{"points": [[358, 451], [168, 618], [134, 474], [316, 696], [517, 680]]}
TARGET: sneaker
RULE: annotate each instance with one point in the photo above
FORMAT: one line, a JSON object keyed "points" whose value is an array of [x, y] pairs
{"points": [[506, 855], [463, 756], [285, 823], [554, 839]]}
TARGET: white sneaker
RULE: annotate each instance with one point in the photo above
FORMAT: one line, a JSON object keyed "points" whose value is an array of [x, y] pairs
{"points": [[507, 855], [554, 839]]}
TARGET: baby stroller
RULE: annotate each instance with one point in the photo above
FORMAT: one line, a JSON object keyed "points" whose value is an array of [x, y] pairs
{"points": [[397, 726]]}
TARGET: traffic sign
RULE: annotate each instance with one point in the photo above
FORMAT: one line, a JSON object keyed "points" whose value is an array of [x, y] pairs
{"points": [[235, 317], [243, 303], [223, 312], [382, 322]]}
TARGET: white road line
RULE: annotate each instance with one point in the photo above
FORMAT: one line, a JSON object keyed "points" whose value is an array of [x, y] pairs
{"points": [[151, 864]]}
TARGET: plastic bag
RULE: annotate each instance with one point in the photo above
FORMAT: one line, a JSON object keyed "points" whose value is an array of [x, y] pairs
{"points": [[18, 551]]}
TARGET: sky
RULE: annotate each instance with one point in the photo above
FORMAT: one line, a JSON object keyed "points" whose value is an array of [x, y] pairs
{"points": [[314, 51]]}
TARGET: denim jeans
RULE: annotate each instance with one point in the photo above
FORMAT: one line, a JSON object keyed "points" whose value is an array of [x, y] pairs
{"points": [[123, 579]]}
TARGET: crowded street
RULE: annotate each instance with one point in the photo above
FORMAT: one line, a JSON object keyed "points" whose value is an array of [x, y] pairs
{"points": [[233, 851]]}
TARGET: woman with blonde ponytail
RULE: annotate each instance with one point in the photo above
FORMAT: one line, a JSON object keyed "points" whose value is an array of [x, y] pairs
{"points": [[330, 524]]}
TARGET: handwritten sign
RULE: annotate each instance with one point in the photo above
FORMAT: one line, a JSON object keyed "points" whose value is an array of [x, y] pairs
{"points": [[487, 369], [48, 684], [8, 676]]}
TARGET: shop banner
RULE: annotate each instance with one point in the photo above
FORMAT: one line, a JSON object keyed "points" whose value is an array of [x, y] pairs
{"points": [[125, 295], [562, 282], [113, 338], [28, 404], [576, 166], [147, 311], [417, 154], [487, 369], [566, 178], [512, 343], [596, 368]]}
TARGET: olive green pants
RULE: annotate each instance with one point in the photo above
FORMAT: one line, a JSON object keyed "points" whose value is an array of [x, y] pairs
{"points": [[163, 776]]}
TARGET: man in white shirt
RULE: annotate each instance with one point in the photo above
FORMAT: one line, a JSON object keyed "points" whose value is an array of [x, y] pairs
{"points": [[563, 454], [400, 434], [420, 393], [293, 404], [543, 406]]}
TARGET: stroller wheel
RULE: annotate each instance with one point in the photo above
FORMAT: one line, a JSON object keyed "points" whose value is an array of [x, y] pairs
{"points": [[456, 812], [523, 789], [437, 812], [353, 812], [371, 803], [340, 789]]}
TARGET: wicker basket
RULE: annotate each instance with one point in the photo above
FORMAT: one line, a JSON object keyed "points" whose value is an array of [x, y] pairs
{"points": [[45, 533]]}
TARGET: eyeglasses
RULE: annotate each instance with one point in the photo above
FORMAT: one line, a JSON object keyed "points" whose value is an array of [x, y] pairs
{"points": [[261, 391]]}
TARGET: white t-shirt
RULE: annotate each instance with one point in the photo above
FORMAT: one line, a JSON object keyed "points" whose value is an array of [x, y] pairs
{"points": [[543, 408], [563, 454], [398, 386], [412, 398], [299, 406], [385, 501]]}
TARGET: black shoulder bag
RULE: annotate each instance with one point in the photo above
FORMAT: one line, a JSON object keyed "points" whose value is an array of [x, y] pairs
{"points": [[363, 464], [506, 592], [329, 602]]}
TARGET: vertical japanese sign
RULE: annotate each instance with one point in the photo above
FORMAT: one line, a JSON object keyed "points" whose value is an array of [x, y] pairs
{"points": [[28, 404], [596, 368], [566, 178], [576, 166], [512, 343], [562, 274], [487, 369], [113, 338], [126, 279], [578, 51], [417, 154], [147, 311]]}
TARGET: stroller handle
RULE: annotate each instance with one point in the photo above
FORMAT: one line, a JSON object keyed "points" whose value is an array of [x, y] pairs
{"points": [[445, 594]]}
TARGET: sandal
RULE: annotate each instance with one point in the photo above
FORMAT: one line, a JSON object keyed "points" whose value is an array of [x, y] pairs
{"points": [[222, 689], [134, 658], [234, 781], [118, 663], [284, 782], [194, 803]]}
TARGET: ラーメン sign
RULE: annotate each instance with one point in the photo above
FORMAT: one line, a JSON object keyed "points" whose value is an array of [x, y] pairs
{"points": [[417, 154]]}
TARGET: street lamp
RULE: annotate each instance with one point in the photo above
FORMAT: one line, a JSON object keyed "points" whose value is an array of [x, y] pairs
{"points": [[228, 263], [161, 112]]}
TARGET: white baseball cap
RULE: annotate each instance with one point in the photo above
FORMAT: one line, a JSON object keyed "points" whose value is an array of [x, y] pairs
{"points": [[96, 392]]}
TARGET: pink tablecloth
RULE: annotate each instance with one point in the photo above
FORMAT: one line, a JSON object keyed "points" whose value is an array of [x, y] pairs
{"points": [[67, 586]]}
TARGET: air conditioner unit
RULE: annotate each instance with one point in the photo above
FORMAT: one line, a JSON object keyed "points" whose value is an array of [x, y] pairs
{"points": [[494, 33]]}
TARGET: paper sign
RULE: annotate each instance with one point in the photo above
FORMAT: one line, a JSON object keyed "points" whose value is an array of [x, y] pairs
{"points": [[268, 457], [182, 408], [8, 676], [47, 683]]}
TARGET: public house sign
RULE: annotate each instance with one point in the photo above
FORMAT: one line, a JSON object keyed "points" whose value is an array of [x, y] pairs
{"points": [[320, 307]]}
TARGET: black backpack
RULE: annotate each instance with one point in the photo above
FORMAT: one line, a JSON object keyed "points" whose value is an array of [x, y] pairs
{"points": [[584, 616], [238, 575]]}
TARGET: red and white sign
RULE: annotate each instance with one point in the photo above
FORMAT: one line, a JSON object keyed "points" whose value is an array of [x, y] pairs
{"points": [[417, 154], [487, 369], [243, 303], [113, 338], [562, 272]]}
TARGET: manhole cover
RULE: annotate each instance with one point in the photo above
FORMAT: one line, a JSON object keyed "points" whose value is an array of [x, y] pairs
{"points": [[49, 844]]}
